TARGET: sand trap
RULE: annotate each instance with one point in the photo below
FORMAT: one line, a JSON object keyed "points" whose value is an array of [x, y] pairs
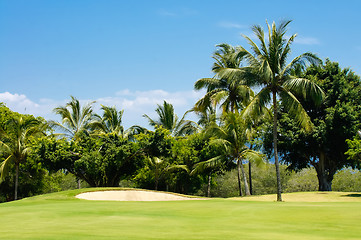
{"points": [[131, 195]]}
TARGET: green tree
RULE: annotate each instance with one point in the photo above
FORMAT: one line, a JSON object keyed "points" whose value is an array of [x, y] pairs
{"points": [[229, 91], [169, 120], [334, 121], [101, 161], [75, 119], [269, 70], [15, 144], [231, 137], [160, 167], [111, 122], [153, 145]]}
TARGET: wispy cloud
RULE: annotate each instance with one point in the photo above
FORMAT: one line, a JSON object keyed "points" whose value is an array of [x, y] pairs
{"points": [[307, 40], [134, 103], [180, 12], [227, 24], [167, 13]]}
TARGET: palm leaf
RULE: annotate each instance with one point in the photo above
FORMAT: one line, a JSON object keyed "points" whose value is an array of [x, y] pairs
{"points": [[258, 103], [295, 108], [305, 88], [5, 166]]}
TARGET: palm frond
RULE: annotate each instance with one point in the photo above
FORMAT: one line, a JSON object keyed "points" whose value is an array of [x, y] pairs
{"points": [[213, 162], [209, 83], [301, 60], [253, 156], [5, 166], [256, 106], [305, 88], [295, 108]]}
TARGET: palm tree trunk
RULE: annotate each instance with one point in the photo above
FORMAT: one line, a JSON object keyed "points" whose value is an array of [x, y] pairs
{"points": [[78, 183], [250, 177], [239, 178], [279, 189], [209, 185], [246, 188], [16, 180]]}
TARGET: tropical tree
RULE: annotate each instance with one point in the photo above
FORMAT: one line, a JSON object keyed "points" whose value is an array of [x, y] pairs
{"points": [[268, 69], [15, 144], [160, 167], [231, 137], [170, 121], [111, 122], [334, 121], [226, 90], [75, 119]]}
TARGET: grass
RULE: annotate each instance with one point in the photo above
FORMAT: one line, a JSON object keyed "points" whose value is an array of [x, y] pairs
{"points": [[62, 216]]}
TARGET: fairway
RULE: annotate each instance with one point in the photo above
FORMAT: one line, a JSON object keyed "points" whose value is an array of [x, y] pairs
{"points": [[62, 216]]}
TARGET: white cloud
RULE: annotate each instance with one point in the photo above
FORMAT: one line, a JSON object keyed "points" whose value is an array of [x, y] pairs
{"points": [[134, 103], [227, 24]]}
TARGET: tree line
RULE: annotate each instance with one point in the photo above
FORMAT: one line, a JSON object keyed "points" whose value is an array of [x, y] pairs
{"points": [[305, 111]]}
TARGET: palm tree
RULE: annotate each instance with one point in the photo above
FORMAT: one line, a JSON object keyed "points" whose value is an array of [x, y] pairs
{"points": [[161, 166], [227, 90], [169, 120], [75, 119], [268, 69], [16, 145], [232, 138], [111, 122], [207, 116]]}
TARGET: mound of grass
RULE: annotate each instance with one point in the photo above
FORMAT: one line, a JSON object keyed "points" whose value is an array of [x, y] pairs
{"points": [[62, 216]]}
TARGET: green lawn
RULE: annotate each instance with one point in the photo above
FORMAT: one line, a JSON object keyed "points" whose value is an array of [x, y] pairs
{"points": [[61, 216]]}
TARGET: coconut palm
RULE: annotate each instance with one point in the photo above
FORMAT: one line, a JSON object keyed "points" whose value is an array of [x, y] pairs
{"points": [[169, 120], [231, 136], [206, 116], [75, 119], [226, 90], [15, 146], [111, 122], [161, 166], [268, 69]]}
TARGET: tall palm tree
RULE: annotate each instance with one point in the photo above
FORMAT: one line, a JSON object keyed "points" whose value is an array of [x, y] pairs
{"points": [[232, 138], [75, 119], [225, 90], [169, 120], [268, 69], [16, 145]]}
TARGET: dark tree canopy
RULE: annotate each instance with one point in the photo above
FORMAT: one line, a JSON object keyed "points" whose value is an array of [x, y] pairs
{"points": [[101, 161], [336, 120]]}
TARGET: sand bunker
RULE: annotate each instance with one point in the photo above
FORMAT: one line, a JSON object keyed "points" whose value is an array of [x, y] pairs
{"points": [[131, 195]]}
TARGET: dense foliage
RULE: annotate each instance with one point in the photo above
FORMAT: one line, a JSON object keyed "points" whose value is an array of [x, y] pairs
{"points": [[335, 121], [100, 161]]}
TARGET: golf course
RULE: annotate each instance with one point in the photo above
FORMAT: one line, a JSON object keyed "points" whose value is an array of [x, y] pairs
{"points": [[61, 215]]}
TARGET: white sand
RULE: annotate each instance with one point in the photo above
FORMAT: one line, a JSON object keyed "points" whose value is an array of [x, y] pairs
{"points": [[131, 195]]}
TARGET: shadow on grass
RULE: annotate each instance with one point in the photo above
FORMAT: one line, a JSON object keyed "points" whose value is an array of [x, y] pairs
{"points": [[352, 195]]}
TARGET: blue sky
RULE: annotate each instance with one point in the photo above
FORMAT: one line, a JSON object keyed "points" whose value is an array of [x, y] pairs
{"points": [[135, 54]]}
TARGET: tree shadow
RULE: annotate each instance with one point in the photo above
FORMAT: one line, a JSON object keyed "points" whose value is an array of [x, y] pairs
{"points": [[352, 195]]}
